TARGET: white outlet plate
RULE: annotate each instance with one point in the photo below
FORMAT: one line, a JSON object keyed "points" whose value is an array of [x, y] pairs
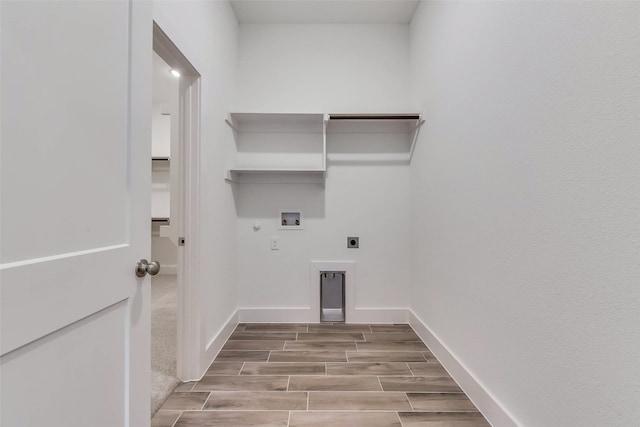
{"points": [[275, 244]]}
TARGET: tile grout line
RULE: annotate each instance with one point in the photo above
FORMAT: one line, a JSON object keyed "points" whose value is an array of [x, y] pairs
{"points": [[410, 404], [288, 382], [205, 402], [380, 383], [400, 418], [289, 419], [241, 368], [176, 421], [308, 401], [410, 370]]}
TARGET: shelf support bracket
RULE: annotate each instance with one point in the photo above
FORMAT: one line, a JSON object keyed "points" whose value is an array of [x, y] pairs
{"points": [[416, 132], [231, 125]]}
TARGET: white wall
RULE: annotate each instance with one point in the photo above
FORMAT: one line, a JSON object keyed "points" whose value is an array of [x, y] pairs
{"points": [[206, 33], [325, 68], [526, 202], [161, 129], [365, 201]]}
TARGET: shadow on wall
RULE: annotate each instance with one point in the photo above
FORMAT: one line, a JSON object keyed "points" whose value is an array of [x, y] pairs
{"points": [[266, 200], [368, 149]]}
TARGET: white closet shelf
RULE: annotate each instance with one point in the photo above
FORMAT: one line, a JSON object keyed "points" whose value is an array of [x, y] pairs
{"points": [[275, 176], [256, 148], [407, 124], [278, 147], [160, 162], [276, 122], [374, 123], [276, 170]]}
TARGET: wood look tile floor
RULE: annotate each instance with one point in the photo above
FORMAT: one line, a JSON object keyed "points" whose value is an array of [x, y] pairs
{"points": [[317, 375]]}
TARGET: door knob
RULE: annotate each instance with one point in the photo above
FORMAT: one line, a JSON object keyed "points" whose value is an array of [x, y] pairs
{"points": [[143, 267]]}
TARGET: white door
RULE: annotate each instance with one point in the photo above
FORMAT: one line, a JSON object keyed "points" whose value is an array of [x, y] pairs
{"points": [[75, 202]]}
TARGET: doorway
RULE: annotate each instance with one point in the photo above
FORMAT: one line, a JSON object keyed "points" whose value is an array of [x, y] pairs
{"points": [[175, 184], [164, 249]]}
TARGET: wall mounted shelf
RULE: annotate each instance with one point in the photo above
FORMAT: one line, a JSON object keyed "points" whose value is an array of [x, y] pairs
{"points": [[373, 122], [158, 163], [276, 122], [407, 124], [275, 176], [160, 221], [278, 148]]}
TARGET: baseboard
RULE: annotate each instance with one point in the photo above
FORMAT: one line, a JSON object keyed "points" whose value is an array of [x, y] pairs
{"points": [[307, 315], [490, 407], [216, 344], [274, 315], [379, 315]]}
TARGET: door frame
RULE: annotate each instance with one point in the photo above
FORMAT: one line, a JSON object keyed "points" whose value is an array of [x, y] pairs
{"points": [[188, 315]]}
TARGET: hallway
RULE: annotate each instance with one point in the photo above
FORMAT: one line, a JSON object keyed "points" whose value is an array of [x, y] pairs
{"points": [[304, 375]]}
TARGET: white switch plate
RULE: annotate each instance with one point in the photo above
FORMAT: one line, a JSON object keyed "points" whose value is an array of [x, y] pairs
{"points": [[275, 244]]}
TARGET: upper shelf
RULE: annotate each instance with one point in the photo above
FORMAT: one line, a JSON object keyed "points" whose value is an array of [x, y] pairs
{"points": [[401, 127], [278, 147], [373, 123], [314, 122], [275, 176], [276, 122], [160, 162]]}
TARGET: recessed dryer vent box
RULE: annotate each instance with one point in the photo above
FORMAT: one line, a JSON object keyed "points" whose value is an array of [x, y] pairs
{"points": [[332, 296], [291, 219]]}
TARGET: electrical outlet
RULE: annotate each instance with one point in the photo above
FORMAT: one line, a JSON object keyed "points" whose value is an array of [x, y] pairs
{"points": [[275, 244]]}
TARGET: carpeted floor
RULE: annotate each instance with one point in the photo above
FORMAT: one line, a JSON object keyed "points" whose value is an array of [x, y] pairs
{"points": [[163, 339]]}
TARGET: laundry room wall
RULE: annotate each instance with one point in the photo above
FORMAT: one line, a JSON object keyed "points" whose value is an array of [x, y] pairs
{"points": [[525, 205], [326, 68]]}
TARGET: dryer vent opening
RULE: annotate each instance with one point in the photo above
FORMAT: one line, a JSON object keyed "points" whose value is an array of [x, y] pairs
{"points": [[332, 296]]}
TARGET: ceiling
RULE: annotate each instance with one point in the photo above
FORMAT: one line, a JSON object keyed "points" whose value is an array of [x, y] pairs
{"points": [[325, 11], [165, 86]]}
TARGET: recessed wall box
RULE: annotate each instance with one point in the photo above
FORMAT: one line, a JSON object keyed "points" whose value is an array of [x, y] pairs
{"points": [[290, 219], [332, 296], [353, 242]]}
